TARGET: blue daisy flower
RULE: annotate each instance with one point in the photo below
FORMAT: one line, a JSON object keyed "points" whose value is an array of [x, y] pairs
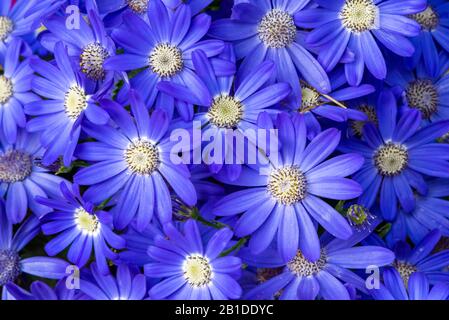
{"points": [[430, 213], [163, 48], [22, 177], [128, 284], [190, 271], [434, 34], [265, 30], [41, 291], [421, 91], [12, 265], [15, 87], [69, 97], [286, 195], [133, 163], [354, 25], [301, 278], [418, 288], [79, 226], [89, 44], [224, 107], [397, 156]]}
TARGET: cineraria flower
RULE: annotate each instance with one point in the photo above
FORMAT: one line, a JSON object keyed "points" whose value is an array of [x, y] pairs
{"points": [[22, 178], [15, 87], [422, 91], [134, 164], [88, 43], [81, 227], [69, 97], [288, 193], [418, 288], [190, 271], [434, 33], [430, 213], [301, 278], [41, 291], [228, 107], [355, 24], [12, 265], [397, 156], [129, 284], [163, 48], [265, 30]]}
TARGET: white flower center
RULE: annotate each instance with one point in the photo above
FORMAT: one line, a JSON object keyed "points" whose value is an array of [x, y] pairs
{"points": [[166, 60], [287, 185], [359, 15], [197, 271], [142, 157], [225, 112], [6, 27], [428, 19], [86, 222], [302, 267], [92, 60], [75, 102], [6, 89], [138, 6], [405, 270], [15, 166], [9, 266], [310, 97], [391, 159], [423, 95], [277, 29]]}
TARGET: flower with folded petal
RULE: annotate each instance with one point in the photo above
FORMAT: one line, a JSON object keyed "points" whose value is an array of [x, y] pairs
{"points": [[286, 196], [190, 271]]}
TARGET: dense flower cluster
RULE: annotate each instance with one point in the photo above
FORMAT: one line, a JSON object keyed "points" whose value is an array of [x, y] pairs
{"points": [[227, 149]]}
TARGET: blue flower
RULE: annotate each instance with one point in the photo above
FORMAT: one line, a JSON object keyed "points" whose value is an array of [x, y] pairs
{"points": [[342, 25], [434, 34], [12, 265], [129, 284], [41, 291], [22, 177], [285, 196], [80, 227], [163, 49], [301, 278], [15, 87], [190, 271], [418, 288], [69, 97], [265, 30], [133, 163]]}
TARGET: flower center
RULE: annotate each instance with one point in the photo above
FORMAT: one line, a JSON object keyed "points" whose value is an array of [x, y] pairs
{"points": [[197, 271], [9, 266], [86, 222], [92, 60], [277, 29], [6, 89], [357, 126], [6, 27], [166, 60], [225, 112], [390, 159], [428, 19], [310, 97], [359, 217], [423, 95], [142, 157], [138, 6], [405, 270], [359, 15], [15, 166], [287, 185], [302, 267], [75, 102]]}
